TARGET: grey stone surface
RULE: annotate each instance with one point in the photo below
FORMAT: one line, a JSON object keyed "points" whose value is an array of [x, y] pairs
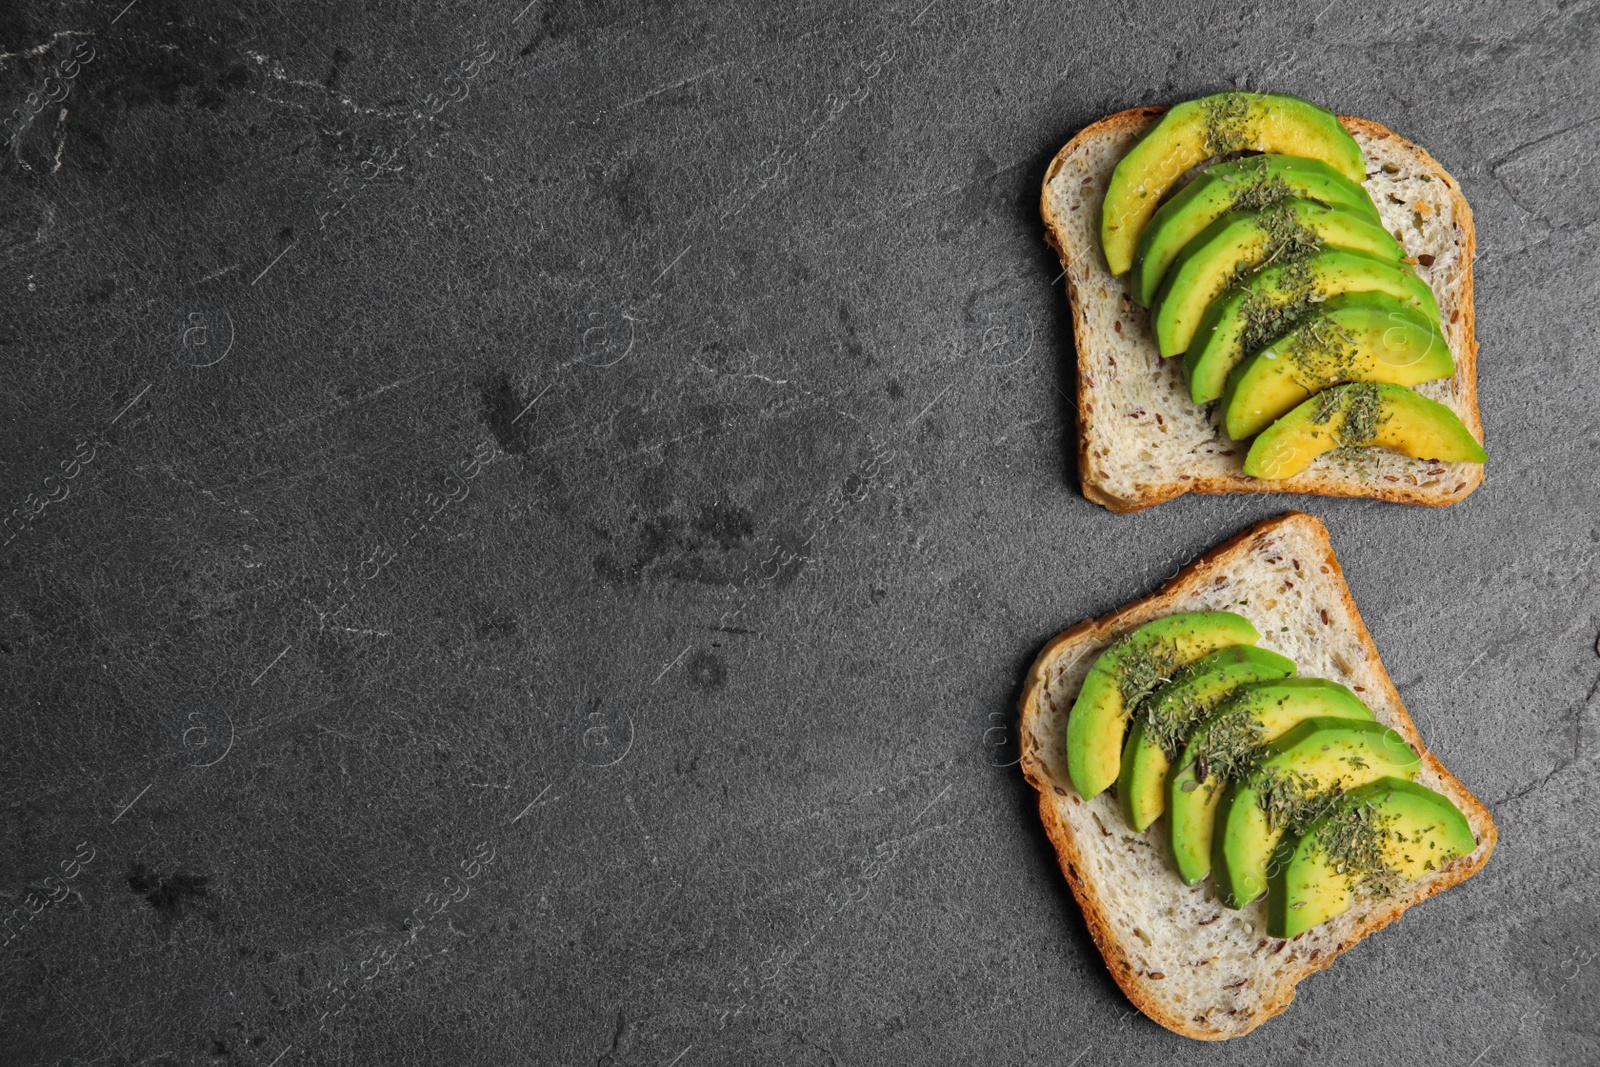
{"points": [[549, 505]]}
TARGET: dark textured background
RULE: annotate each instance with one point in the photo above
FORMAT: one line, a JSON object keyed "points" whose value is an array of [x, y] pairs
{"points": [[574, 614]]}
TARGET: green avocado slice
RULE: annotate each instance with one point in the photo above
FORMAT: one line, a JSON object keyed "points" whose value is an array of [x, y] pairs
{"points": [[1224, 745], [1356, 337], [1389, 830], [1242, 241], [1268, 302], [1243, 185], [1297, 779], [1356, 416], [1131, 669], [1193, 132], [1161, 724]]}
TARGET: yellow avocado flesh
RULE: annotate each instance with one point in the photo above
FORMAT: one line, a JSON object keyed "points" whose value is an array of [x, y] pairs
{"points": [[1315, 757], [1258, 715], [1142, 784], [1193, 132], [1243, 241], [1357, 337], [1267, 304], [1251, 182], [1360, 415], [1412, 828], [1133, 667]]}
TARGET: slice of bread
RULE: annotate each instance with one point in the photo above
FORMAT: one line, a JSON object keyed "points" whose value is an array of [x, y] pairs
{"points": [[1193, 966], [1141, 440]]}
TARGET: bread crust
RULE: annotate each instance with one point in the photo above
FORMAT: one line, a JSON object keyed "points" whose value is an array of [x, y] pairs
{"points": [[1057, 236], [1052, 793]]}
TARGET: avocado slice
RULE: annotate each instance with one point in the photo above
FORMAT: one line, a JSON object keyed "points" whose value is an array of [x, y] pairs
{"points": [[1354, 416], [1224, 746], [1133, 667], [1356, 337], [1198, 130], [1389, 830], [1242, 241], [1243, 185], [1162, 723], [1267, 303], [1296, 780]]}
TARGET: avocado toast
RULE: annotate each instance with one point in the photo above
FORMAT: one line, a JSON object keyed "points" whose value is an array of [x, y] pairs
{"points": [[1191, 963], [1142, 437]]}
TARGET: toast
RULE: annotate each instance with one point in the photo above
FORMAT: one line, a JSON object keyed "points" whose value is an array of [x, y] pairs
{"points": [[1141, 440], [1190, 964]]}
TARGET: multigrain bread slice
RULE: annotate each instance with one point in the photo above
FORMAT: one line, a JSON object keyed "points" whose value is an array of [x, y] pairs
{"points": [[1187, 962], [1141, 440]]}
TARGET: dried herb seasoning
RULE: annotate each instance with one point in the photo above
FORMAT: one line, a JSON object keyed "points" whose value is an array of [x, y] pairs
{"points": [[1143, 670], [1363, 414], [1169, 722], [1227, 121], [1355, 843], [1320, 352], [1227, 746], [1292, 800], [1270, 311]]}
